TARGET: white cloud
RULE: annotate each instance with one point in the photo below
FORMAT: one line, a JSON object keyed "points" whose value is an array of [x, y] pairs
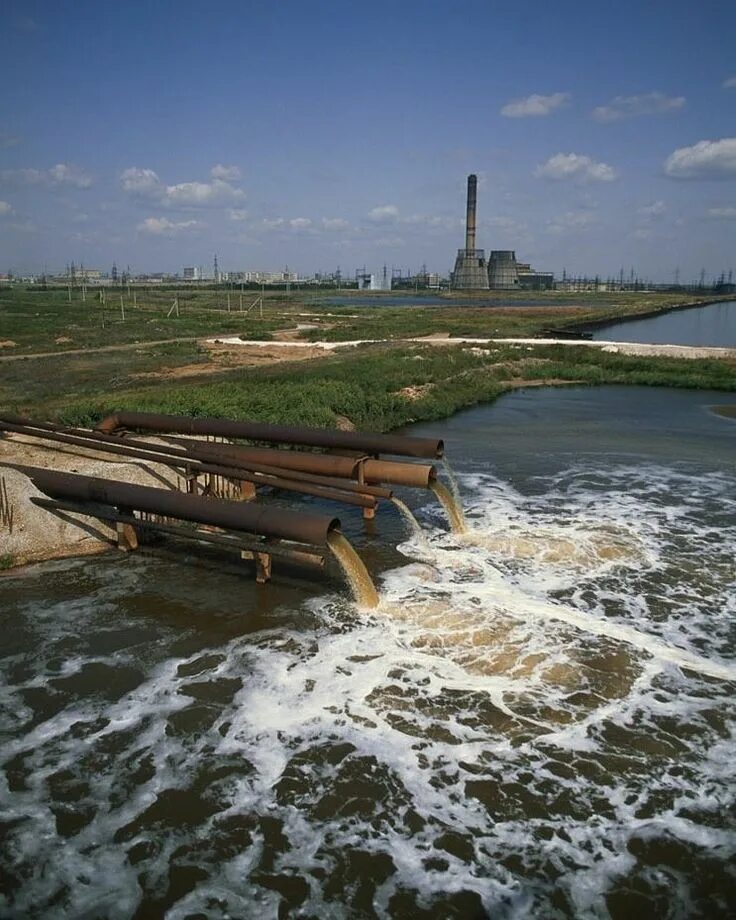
{"points": [[334, 223], [238, 214], [162, 226], [385, 214], [273, 223], [61, 174], [226, 173], [704, 160], [575, 166], [5, 208], [534, 105], [655, 209], [730, 83], [202, 194], [722, 213], [634, 106], [143, 182], [300, 223]]}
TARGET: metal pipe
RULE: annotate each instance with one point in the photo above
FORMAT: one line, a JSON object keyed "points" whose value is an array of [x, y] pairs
{"points": [[103, 514], [305, 484], [417, 475], [275, 434], [241, 516]]}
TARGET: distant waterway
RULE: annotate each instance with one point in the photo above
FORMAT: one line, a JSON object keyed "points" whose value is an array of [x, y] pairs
{"points": [[709, 325], [538, 720]]}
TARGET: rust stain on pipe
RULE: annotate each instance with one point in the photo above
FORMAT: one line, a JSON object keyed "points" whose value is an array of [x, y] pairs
{"points": [[277, 434], [418, 475], [249, 518]]}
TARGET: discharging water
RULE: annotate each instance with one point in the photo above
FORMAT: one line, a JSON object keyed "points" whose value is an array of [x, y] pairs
{"points": [[537, 720]]}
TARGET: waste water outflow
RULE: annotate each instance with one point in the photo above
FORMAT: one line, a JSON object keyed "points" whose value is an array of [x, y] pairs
{"points": [[356, 475], [356, 573], [453, 509]]}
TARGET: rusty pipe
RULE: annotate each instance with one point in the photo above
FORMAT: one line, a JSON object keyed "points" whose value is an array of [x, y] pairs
{"points": [[417, 475], [320, 464], [331, 488], [365, 442], [240, 516]]}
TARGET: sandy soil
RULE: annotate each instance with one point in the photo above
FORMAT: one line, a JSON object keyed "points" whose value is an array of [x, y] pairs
{"points": [[37, 533]]}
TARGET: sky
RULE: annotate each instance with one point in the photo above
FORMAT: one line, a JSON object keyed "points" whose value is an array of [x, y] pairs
{"points": [[318, 134]]}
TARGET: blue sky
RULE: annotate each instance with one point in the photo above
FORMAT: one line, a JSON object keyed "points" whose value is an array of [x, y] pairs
{"points": [[318, 134]]}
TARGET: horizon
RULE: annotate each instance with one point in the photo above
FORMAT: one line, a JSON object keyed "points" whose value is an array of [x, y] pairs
{"points": [[316, 136]]}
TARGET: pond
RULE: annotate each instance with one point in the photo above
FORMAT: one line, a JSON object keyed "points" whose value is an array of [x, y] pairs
{"points": [[538, 720]]}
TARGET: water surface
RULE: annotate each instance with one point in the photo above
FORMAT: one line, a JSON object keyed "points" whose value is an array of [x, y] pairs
{"points": [[713, 325], [538, 720]]}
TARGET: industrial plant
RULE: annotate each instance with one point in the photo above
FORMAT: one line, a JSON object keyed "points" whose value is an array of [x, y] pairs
{"points": [[502, 272]]}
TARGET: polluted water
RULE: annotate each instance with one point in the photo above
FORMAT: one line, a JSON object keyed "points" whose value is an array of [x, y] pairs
{"points": [[537, 719]]}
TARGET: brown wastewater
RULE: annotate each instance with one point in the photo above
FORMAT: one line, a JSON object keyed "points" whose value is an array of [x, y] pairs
{"points": [[536, 718]]}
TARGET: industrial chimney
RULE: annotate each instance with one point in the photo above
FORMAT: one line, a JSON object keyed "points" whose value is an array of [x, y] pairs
{"points": [[471, 273]]}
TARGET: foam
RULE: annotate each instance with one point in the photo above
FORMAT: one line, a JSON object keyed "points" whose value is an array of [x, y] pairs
{"points": [[522, 705]]}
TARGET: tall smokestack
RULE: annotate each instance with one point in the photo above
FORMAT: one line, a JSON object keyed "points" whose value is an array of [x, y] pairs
{"points": [[470, 216]]}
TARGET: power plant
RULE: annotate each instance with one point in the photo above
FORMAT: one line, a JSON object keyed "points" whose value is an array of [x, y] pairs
{"points": [[471, 272], [502, 272]]}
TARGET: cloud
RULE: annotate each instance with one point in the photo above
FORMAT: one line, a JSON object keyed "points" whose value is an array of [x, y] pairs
{"points": [[704, 160], [635, 106], [534, 105], [575, 166], [334, 223], [225, 173], [202, 194], [8, 140], [162, 226], [300, 223], [722, 213], [238, 214], [145, 183], [61, 174], [385, 214], [5, 209], [730, 83], [273, 223]]}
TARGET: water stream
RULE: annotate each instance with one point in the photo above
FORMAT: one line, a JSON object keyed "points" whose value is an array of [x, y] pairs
{"points": [[355, 571], [453, 508]]}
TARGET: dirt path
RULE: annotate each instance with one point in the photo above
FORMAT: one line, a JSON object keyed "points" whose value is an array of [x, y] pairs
{"points": [[100, 348]]}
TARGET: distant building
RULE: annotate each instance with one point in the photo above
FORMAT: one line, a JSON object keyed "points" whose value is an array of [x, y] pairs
{"points": [[191, 274], [270, 277], [530, 280]]}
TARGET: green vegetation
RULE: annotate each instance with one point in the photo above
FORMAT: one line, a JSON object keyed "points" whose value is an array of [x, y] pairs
{"points": [[382, 387], [7, 561], [378, 386]]}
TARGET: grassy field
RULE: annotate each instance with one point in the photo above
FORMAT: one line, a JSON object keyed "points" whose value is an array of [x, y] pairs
{"points": [[377, 386], [34, 320]]}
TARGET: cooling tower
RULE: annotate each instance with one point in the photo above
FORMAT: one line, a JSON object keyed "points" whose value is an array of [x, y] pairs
{"points": [[502, 273]]}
